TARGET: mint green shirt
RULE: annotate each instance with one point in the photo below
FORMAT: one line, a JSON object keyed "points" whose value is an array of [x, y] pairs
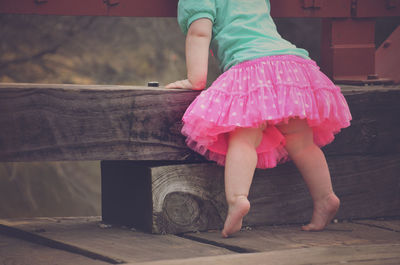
{"points": [[242, 29]]}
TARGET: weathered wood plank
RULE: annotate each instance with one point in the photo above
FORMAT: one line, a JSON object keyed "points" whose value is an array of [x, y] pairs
{"points": [[269, 238], [368, 186], [187, 198], [117, 243], [191, 197], [67, 122], [15, 252], [72, 122], [375, 127], [356, 255], [392, 225]]}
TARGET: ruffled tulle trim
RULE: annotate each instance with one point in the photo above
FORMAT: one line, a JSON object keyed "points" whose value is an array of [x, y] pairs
{"points": [[269, 90]]}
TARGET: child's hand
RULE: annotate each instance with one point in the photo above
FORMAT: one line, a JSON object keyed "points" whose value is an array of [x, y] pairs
{"points": [[185, 84]]}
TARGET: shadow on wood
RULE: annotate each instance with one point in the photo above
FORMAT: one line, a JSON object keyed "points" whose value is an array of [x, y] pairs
{"points": [[191, 197]]}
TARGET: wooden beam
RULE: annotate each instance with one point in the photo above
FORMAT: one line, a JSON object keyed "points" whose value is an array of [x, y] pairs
{"points": [[76, 122], [70, 122], [375, 128], [191, 197]]}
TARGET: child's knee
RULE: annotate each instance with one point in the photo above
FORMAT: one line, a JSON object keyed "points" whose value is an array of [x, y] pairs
{"points": [[248, 136], [298, 135], [294, 126]]}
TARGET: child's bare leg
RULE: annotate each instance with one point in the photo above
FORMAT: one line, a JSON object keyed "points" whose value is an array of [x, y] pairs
{"points": [[311, 162], [241, 161]]}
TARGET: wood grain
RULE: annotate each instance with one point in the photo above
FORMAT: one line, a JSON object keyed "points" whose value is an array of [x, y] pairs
{"points": [[19, 252], [270, 238], [118, 243], [368, 186], [191, 197], [375, 128], [75, 122], [67, 122], [349, 243], [187, 198], [391, 225], [332, 255]]}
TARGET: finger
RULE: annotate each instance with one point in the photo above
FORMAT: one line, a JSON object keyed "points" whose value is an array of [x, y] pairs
{"points": [[185, 84], [172, 85], [182, 84]]}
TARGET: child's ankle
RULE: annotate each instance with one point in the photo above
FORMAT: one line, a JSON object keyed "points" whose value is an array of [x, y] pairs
{"points": [[330, 199], [232, 200], [324, 196]]}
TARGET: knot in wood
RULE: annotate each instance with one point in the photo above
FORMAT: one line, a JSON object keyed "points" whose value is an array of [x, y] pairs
{"points": [[181, 208]]}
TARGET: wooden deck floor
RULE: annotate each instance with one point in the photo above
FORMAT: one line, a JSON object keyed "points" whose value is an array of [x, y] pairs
{"points": [[87, 241]]}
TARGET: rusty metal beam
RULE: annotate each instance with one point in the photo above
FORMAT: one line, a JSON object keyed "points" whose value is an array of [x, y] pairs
{"points": [[310, 8], [134, 8], [167, 8], [163, 8], [387, 57], [375, 8], [348, 49], [348, 45]]}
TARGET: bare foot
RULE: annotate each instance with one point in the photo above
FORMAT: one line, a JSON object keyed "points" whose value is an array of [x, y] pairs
{"points": [[236, 212], [323, 213]]}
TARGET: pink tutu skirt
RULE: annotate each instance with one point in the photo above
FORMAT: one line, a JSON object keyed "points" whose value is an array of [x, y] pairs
{"points": [[265, 91]]}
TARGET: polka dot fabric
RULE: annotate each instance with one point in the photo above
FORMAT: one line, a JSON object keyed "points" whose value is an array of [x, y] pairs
{"points": [[265, 92]]}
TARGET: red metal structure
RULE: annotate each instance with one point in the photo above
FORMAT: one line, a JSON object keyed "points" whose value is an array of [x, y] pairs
{"points": [[387, 57], [348, 31]]}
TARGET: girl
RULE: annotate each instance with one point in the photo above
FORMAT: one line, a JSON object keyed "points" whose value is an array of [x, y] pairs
{"points": [[271, 103]]}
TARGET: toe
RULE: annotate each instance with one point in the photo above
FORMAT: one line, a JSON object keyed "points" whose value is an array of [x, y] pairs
{"points": [[311, 227]]}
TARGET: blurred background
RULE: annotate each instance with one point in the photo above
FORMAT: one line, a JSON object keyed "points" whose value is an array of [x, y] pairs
{"points": [[99, 50]]}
